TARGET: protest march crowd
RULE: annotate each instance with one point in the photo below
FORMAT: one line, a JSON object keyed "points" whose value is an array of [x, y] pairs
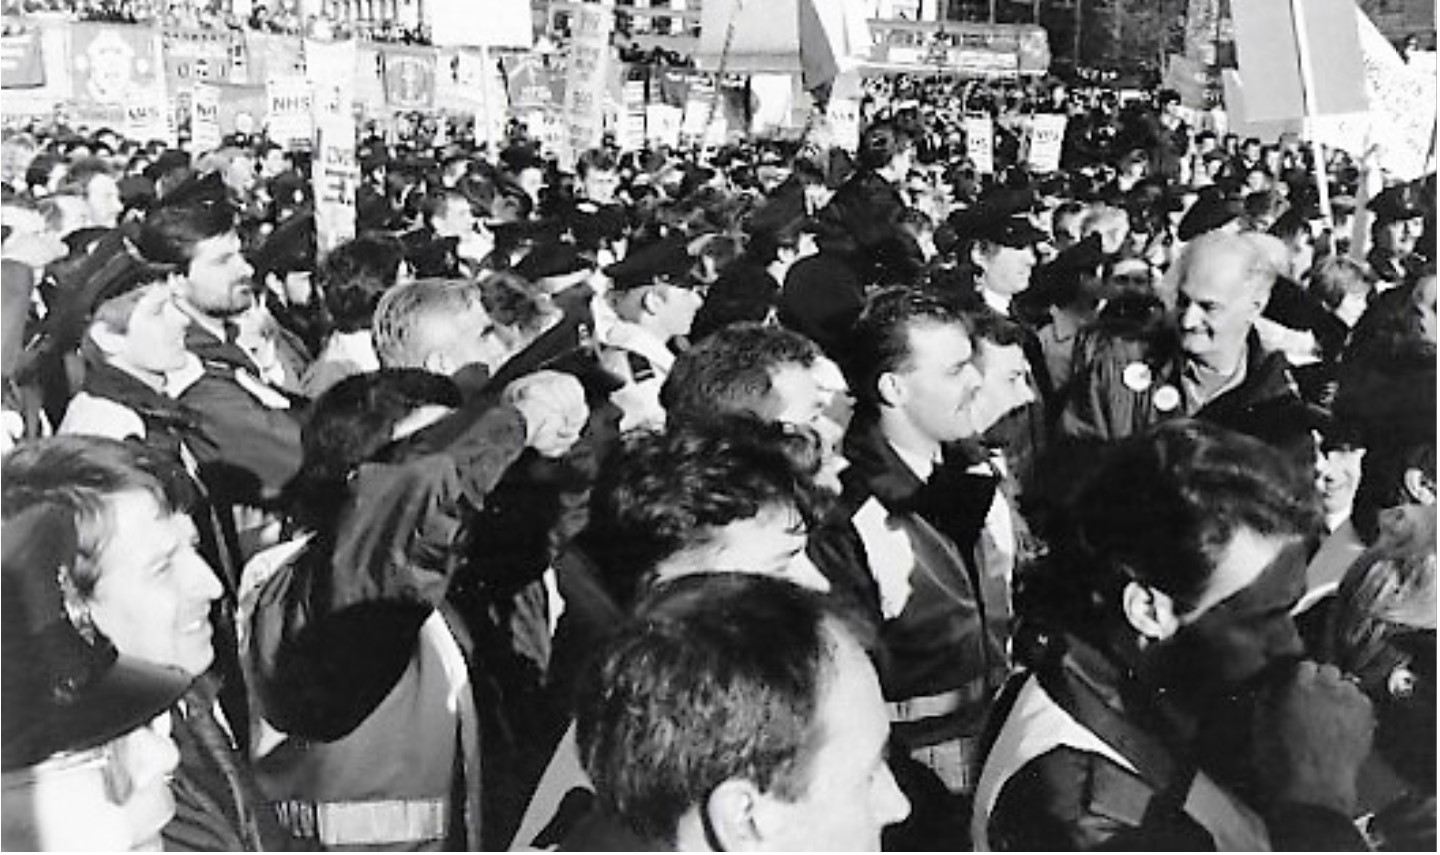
{"points": [[767, 495]]}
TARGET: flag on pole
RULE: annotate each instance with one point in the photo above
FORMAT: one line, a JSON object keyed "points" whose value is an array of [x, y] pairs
{"points": [[820, 39], [1268, 44]]}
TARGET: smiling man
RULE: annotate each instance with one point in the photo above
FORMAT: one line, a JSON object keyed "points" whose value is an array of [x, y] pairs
{"points": [[138, 580], [1227, 377]]}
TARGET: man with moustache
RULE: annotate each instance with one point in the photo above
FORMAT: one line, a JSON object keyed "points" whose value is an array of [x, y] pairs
{"points": [[249, 443], [1165, 706]]}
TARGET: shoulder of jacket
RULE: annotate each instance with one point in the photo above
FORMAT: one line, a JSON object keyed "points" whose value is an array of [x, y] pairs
{"points": [[94, 416]]}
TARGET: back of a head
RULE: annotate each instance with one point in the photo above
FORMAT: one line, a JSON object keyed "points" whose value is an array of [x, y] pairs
{"points": [[403, 313], [716, 677], [730, 372], [348, 424], [880, 143], [659, 494], [355, 274], [1160, 509]]}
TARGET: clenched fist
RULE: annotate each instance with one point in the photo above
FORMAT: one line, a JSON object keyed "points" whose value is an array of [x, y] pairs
{"points": [[553, 405], [1312, 732]]}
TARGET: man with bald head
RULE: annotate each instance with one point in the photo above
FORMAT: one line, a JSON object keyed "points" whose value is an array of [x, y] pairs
{"points": [[1225, 375]]}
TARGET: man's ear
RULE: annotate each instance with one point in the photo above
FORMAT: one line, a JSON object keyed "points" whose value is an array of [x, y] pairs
{"points": [[891, 388], [1419, 486], [436, 363], [648, 299], [739, 817], [109, 341], [1150, 612]]}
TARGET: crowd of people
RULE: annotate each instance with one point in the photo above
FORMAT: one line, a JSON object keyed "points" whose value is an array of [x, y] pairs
{"points": [[771, 496], [262, 17]]}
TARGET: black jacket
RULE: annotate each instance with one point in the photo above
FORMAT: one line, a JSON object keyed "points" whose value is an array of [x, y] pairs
{"points": [[1069, 799], [1266, 405]]}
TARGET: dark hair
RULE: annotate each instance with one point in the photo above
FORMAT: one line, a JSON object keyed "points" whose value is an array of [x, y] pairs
{"points": [[511, 301], [355, 274], [169, 235], [37, 174], [717, 677], [730, 372], [659, 494], [348, 425], [78, 175], [1382, 480], [81, 474], [1159, 509], [437, 202], [881, 142], [880, 340], [595, 160]]}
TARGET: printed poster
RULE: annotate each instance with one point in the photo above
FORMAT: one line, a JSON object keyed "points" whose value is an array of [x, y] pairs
{"points": [[288, 108], [980, 143], [22, 63], [204, 117], [1047, 135]]}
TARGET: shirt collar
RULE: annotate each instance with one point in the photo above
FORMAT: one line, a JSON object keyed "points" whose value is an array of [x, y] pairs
{"points": [[922, 466]]}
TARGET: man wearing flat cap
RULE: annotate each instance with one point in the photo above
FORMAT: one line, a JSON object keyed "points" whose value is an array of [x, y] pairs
{"points": [[655, 301]]}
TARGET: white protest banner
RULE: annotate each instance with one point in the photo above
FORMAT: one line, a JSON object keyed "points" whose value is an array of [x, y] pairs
{"points": [[632, 118], [586, 73], [980, 143], [843, 117], [335, 176], [330, 69], [288, 111], [698, 112], [1047, 134], [550, 129], [662, 124], [147, 115], [204, 117]]}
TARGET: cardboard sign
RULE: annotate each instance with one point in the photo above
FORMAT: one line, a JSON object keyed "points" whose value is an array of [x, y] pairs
{"points": [[662, 124], [586, 72], [843, 117], [204, 118], [288, 106], [335, 177], [22, 65], [147, 116], [980, 143], [1047, 135]]}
